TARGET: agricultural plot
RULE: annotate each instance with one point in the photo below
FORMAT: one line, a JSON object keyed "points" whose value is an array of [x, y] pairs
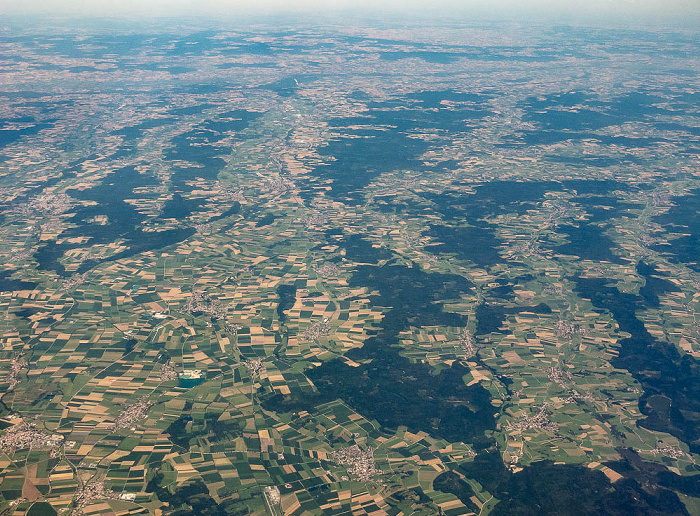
{"points": [[327, 271]]}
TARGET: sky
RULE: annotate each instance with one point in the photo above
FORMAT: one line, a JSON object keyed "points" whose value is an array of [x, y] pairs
{"points": [[661, 9], [175, 7]]}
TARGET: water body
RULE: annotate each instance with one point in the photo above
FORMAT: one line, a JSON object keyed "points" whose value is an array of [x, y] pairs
{"points": [[188, 383], [657, 365]]}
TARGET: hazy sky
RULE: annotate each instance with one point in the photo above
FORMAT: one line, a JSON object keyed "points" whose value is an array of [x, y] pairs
{"points": [[587, 8]]}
